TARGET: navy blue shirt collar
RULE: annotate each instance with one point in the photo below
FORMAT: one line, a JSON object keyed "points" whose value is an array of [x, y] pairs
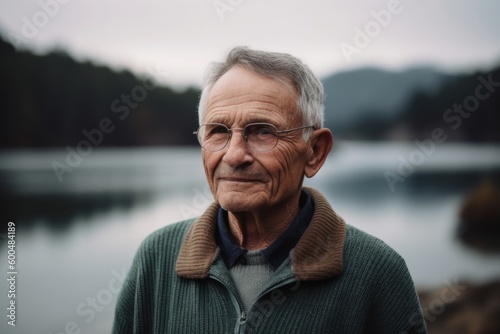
{"points": [[280, 249]]}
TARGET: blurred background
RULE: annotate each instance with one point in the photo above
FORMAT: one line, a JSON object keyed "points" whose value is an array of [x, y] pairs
{"points": [[98, 105]]}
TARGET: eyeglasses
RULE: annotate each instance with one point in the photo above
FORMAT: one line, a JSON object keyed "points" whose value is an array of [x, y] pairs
{"points": [[259, 136]]}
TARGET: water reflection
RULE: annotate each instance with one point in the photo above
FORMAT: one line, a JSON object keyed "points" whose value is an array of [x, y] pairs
{"points": [[58, 211], [76, 235]]}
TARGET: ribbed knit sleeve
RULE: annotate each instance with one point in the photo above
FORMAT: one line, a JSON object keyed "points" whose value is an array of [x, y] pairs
{"points": [[142, 288], [124, 312], [393, 302], [396, 308]]}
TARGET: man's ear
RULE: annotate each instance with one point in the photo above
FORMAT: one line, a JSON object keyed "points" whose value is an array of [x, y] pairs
{"points": [[321, 144]]}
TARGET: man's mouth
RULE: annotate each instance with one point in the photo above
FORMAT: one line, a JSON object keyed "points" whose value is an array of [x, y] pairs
{"points": [[237, 179]]}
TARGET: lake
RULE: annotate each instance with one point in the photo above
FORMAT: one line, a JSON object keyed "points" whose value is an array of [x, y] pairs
{"points": [[75, 239]]}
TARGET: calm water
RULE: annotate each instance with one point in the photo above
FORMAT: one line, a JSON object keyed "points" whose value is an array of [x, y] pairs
{"points": [[76, 238]]}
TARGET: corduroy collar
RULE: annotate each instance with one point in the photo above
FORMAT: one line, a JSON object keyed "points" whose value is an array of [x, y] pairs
{"points": [[318, 254]]}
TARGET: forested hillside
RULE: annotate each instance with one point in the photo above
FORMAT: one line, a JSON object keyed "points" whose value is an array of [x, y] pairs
{"points": [[51, 100], [54, 101]]}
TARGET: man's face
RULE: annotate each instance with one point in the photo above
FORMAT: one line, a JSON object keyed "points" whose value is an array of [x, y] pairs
{"points": [[243, 180]]}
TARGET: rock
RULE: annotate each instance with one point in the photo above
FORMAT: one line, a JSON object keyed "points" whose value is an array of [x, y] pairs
{"points": [[468, 309], [480, 217]]}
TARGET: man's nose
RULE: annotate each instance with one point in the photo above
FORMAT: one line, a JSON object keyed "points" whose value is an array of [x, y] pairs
{"points": [[237, 150]]}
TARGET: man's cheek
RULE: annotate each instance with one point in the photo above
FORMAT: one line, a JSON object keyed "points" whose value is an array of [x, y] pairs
{"points": [[287, 157]]}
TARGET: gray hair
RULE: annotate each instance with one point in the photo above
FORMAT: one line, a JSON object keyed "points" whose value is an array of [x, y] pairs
{"points": [[279, 66]]}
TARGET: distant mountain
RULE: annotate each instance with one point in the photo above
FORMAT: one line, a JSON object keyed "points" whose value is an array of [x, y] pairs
{"points": [[374, 95], [465, 109]]}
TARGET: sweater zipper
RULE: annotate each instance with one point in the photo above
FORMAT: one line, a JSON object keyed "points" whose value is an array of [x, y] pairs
{"points": [[243, 316], [240, 325], [276, 286]]}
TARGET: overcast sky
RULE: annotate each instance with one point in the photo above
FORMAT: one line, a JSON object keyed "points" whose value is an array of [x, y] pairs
{"points": [[179, 38]]}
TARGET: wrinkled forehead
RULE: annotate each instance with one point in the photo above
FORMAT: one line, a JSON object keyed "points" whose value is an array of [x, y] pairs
{"points": [[241, 90]]}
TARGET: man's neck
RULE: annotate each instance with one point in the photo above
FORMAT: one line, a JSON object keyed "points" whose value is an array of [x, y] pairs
{"points": [[257, 230]]}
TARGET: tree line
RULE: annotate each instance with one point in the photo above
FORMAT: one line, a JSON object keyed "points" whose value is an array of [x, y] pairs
{"points": [[54, 101]]}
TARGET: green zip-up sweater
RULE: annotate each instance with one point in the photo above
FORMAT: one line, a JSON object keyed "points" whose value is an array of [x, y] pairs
{"points": [[337, 279]]}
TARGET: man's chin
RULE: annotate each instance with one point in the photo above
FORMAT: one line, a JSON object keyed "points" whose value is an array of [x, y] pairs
{"points": [[238, 202]]}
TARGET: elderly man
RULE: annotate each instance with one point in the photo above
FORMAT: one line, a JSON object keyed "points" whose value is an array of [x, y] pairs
{"points": [[268, 256]]}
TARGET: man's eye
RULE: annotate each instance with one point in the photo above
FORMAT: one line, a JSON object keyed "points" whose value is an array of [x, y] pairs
{"points": [[264, 131], [218, 129]]}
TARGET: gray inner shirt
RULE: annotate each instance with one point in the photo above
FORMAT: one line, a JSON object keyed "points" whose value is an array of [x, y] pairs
{"points": [[251, 277]]}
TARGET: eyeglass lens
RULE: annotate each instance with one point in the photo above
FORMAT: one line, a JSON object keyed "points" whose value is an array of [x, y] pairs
{"points": [[259, 136]]}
